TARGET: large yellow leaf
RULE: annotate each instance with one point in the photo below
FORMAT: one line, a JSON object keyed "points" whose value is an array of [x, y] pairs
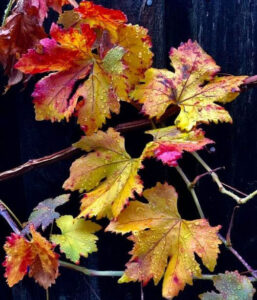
{"points": [[108, 174], [164, 242], [193, 86]]}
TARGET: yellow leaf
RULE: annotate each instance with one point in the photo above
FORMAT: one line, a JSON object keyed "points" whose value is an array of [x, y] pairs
{"points": [[108, 174], [159, 233], [194, 87]]}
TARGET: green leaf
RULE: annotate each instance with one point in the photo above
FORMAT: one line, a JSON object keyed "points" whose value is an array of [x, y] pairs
{"points": [[232, 286], [77, 238], [44, 213]]}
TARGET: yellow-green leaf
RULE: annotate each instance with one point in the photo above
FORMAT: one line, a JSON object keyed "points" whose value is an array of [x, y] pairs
{"points": [[77, 238]]}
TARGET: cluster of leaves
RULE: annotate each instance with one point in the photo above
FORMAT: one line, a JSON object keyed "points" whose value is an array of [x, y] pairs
{"points": [[95, 59]]}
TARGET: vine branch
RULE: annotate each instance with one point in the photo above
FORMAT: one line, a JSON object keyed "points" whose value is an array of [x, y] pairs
{"points": [[222, 189], [65, 153], [228, 246]]}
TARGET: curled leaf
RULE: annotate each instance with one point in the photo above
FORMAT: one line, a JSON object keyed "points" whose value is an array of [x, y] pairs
{"points": [[169, 143], [44, 213]]}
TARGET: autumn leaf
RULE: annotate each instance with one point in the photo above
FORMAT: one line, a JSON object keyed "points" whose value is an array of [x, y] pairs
{"points": [[113, 71], [194, 86], [108, 174], [35, 255], [18, 258], [230, 285], [21, 31], [159, 233], [77, 237], [44, 213], [44, 268], [96, 16], [68, 53], [169, 143]]}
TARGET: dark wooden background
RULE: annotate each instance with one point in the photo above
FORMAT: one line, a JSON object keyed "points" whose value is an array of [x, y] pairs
{"points": [[225, 29]]}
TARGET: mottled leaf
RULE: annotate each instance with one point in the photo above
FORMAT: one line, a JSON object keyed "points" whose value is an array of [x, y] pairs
{"points": [[194, 86], [44, 268], [169, 143], [165, 244], [108, 174], [35, 255], [77, 238], [44, 213], [231, 286], [18, 258]]}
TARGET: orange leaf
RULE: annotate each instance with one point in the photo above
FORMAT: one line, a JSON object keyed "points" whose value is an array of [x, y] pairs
{"points": [[44, 268], [18, 258], [36, 255], [96, 16], [159, 233]]}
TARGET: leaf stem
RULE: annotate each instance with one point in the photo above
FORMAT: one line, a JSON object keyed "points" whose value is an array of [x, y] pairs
{"points": [[90, 272], [4, 213], [65, 153], [229, 247], [222, 189], [7, 11], [11, 213], [192, 191]]}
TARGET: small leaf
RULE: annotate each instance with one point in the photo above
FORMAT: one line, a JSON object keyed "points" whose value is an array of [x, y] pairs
{"points": [[44, 268], [159, 233], [35, 255], [44, 213], [18, 258], [77, 238], [169, 143], [108, 174], [231, 286]]}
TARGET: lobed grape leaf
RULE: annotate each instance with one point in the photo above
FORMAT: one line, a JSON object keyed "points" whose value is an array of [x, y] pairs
{"points": [[75, 53], [232, 286], [77, 237], [37, 255], [194, 86], [169, 143], [108, 174], [44, 213], [159, 233]]}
